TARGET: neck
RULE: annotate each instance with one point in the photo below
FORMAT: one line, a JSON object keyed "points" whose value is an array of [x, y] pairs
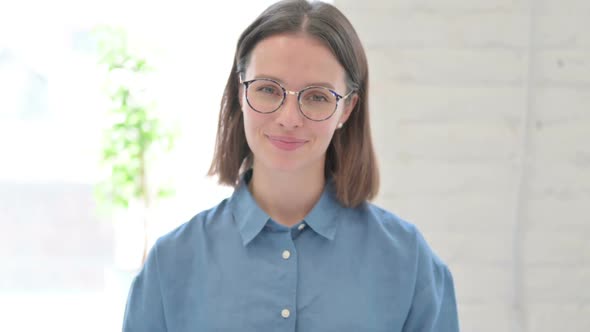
{"points": [[287, 197]]}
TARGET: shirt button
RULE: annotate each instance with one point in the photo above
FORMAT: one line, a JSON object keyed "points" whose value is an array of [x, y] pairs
{"points": [[300, 227], [286, 254], [285, 313]]}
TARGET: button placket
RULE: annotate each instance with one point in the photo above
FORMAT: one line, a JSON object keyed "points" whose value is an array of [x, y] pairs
{"points": [[289, 264]]}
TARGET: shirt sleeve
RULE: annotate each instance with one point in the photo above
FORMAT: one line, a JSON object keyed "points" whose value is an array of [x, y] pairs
{"points": [[434, 307], [144, 310]]}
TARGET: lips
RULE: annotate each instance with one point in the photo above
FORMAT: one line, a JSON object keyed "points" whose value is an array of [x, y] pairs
{"points": [[286, 143]]}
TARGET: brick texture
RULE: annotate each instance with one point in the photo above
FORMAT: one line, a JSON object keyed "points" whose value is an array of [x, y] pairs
{"points": [[481, 120]]}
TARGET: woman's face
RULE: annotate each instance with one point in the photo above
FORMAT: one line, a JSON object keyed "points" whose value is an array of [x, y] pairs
{"points": [[286, 140]]}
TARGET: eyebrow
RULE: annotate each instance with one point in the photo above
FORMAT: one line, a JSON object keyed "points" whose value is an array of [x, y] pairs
{"points": [[322, 84]]}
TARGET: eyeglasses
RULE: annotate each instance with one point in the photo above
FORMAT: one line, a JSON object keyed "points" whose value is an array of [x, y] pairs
{"points": [[316, 103]]}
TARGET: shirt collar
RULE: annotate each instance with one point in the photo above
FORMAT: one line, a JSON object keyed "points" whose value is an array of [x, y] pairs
{"points": [[323, 217], [251, 219]]}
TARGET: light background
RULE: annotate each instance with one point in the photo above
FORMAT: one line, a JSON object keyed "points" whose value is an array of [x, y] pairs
{"points": [[481, 118]]}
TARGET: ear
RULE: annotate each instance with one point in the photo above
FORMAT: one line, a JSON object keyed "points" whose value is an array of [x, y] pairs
{"points": [[348, 108]]}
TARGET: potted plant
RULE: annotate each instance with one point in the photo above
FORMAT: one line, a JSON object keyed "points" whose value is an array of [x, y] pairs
{"points": [[133, 139]]}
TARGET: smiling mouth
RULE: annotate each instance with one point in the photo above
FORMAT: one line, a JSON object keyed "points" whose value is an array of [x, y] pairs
{"points": [[286, 143]]}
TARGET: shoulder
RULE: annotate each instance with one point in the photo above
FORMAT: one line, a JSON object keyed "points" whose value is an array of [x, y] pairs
{"points": [[384, 225], [185, 237], [404, 234], [389, 221]]}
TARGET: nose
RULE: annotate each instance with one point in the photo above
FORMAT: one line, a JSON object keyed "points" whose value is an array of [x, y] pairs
{"points": [[289, 115]]}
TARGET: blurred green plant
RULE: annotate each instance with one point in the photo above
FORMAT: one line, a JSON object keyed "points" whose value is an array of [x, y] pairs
{"points": [[135, 135]]}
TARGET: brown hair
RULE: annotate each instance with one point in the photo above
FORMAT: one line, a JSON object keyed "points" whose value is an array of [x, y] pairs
{"points": [[350, 158]]}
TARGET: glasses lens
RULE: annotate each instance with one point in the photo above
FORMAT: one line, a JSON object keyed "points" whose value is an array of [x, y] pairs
{"points": [[318, 103], [264, 96]]}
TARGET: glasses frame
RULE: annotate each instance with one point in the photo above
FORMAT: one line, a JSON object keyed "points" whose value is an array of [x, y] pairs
{"points": [[295, 93]]}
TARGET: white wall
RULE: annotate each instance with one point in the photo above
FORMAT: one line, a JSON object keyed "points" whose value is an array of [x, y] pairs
{"points": [[481, 116]]}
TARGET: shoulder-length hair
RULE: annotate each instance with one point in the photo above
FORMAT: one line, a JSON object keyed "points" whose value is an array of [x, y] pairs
{"points": [[350, 158]]}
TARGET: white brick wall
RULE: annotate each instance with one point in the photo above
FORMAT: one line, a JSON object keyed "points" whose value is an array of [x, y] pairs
{"points": [[481, 116]]}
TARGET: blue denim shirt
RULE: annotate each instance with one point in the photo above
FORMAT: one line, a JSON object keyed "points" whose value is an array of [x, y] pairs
{"points": [[232, 268]]}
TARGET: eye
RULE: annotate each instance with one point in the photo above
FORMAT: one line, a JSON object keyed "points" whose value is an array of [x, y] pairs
{"points": [[316, 97], [319, 98], [268, 89]]}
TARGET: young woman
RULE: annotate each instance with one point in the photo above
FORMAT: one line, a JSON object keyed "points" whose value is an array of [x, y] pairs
{"points": [[297, 247]]}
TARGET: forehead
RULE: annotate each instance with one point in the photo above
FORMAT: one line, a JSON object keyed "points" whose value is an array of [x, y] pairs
{"points": [[297, 60]]}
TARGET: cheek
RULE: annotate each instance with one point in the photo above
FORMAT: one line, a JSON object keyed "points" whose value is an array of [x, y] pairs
{"points": [[325, 131], [253, 120]]}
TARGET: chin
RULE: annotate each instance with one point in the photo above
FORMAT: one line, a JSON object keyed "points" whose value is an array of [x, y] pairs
{"points": [[284, 165], [302, 160], [290, 164]]}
